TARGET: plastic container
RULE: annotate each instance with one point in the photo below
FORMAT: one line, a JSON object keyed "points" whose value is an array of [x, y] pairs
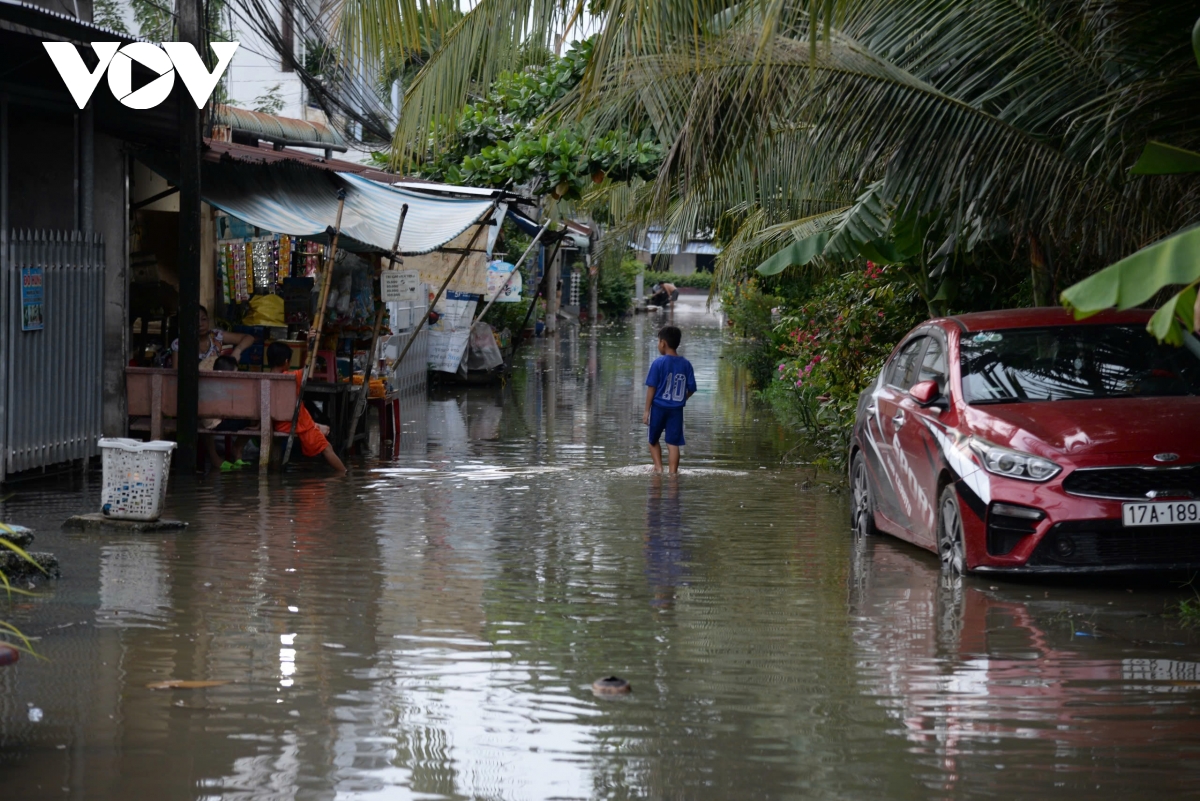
{"points": [[135, 477]]}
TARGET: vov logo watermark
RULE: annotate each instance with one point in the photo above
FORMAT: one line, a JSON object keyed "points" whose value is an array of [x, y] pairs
{"points": [[173, 57]]}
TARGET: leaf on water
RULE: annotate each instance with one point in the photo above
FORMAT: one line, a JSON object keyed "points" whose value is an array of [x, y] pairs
{"points": [[183, 684]]}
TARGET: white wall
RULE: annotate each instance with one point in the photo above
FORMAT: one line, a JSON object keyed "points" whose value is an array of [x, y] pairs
{"points": [[256, 68]]}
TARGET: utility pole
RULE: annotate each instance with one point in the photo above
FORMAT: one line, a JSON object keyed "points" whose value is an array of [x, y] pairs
{"points": [[552, 276], [187, 360]]}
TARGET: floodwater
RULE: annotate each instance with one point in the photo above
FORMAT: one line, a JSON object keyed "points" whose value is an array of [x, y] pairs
{"points": [[429, 627]]}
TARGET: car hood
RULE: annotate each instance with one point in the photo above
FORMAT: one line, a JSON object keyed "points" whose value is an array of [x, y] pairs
{"points": [[1081, 427]]}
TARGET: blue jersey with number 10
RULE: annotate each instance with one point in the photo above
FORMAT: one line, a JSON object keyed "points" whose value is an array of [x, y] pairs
{"points": [[672, 379]]}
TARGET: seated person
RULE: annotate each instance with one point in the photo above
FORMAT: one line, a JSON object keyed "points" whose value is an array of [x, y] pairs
{"points": [[213, 341], [311, 436], [226, 363]]}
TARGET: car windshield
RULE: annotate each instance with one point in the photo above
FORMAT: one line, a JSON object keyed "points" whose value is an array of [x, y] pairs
{"points": [[1075, 362]]}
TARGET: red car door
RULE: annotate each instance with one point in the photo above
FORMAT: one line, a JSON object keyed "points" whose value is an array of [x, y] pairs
{"points": [[918, 441], [895, 500]]}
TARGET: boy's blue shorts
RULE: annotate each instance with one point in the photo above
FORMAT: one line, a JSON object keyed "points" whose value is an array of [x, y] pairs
{"points": [[668, 419]]}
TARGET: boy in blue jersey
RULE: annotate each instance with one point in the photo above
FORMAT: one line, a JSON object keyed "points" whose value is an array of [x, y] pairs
{"points": [[669, 384]]}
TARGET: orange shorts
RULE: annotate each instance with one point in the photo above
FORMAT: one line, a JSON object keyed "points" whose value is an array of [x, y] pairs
{"points": [[312, 441]]}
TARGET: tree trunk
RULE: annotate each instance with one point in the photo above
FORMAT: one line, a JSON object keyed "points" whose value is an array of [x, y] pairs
{"points": [[593, 293], [552, 294]]}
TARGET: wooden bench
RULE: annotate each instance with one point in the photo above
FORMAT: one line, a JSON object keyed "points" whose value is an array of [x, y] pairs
{"points": [[263, 398]]}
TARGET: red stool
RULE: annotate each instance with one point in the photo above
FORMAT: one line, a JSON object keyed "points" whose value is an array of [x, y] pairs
{"points": [[326, 367]]}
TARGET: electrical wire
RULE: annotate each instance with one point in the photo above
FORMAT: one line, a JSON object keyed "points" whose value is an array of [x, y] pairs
{"points": [[338, 90]]}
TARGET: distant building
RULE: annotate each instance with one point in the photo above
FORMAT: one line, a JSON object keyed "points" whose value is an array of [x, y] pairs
{"points": [[669, 253]]}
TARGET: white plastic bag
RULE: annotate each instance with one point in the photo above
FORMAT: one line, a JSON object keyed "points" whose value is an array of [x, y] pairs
{"points": [[482, 351]]}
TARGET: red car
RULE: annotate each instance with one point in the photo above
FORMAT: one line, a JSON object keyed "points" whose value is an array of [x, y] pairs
{"points": [[1025, 441]]}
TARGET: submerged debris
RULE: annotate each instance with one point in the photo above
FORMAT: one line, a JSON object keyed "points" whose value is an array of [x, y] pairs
{"points": [[613, 685], [183, 684]]}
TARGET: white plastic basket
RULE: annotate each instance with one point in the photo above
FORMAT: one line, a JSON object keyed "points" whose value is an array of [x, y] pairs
{"points": [[135, 477]]}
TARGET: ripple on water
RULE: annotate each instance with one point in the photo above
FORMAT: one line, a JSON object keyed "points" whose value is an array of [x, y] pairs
{"points": [[430, 627]]}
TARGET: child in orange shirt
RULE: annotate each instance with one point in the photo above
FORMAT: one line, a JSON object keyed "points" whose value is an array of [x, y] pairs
{"points": [[311, 436]]}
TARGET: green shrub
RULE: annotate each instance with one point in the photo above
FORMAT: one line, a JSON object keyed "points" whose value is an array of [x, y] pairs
{"points": [[832, 347]]}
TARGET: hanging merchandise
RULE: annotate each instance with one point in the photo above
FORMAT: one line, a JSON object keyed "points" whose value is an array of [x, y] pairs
{"points": [[312, 258], [264, 253], [223, 271], [283, 260], [237, 280], [351, 301], [248, 267]]}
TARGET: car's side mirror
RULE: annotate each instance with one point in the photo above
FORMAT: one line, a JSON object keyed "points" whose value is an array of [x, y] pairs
{"points": [[926, 393]]}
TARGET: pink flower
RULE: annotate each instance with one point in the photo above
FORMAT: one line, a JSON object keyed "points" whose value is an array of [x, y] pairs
{"points": [[799, 383]]}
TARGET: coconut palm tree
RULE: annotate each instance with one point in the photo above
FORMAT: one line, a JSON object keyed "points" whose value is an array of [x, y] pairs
{"points": [[841, 124]]}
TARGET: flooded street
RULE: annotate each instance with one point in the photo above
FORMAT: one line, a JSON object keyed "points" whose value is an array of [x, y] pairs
{"points": [[430, 626]]}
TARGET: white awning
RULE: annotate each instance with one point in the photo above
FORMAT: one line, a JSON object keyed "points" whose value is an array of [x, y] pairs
{"points": [[303, 202]]}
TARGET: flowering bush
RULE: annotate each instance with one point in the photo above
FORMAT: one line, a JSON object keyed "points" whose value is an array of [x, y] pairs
{"points": [[831, 347]]}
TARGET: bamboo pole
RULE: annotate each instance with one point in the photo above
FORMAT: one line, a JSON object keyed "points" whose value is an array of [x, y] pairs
{"points": [[482, 223], [360, 402], [314, 333]]}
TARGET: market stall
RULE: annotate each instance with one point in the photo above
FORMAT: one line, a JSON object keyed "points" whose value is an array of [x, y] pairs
{"points": [[280, 269]]}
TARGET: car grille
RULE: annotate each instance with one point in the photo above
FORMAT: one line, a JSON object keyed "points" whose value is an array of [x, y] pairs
{"points": [[1107, 543], [1134, 482]]}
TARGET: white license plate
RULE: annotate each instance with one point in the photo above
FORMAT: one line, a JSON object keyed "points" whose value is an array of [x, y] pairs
{"points": [[1161, 513]]}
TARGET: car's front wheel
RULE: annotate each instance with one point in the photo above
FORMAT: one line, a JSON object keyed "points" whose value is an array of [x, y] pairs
{"points": [[862, 510], [951, 545]]}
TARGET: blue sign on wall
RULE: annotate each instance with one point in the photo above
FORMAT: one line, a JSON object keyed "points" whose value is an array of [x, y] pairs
{"points": [[32, 299]]}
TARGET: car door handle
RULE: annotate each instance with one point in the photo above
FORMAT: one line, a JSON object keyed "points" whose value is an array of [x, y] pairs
{"points": [[899, 419]]}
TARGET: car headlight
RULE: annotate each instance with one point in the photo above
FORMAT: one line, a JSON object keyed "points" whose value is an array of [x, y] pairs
{"points": [[1013, 464]]}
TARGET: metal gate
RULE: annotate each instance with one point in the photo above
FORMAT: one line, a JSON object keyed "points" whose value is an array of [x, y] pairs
{"points": [[50, 378]]}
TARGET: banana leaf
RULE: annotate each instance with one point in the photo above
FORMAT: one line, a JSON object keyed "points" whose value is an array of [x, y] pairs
{"points": [[798, 253], [1138, 277], [1161, 159], [1175, 316]]}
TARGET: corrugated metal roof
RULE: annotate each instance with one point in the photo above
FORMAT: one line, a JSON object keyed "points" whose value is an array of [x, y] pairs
{"points": [[656, 242], [281, 130], [253, 155], [64, 25]]}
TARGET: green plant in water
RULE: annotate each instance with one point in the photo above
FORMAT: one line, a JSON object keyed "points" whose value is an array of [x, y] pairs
{"points": [[1187, 611], [10, 635]]}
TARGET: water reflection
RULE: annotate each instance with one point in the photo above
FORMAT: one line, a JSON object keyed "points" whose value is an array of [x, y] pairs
{"points": [[430, 626], [989, 687], [666, 559], [133, 585]]}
